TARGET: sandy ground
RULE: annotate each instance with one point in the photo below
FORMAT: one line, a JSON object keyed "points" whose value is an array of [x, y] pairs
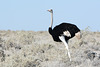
{"points": [[37, 49]]}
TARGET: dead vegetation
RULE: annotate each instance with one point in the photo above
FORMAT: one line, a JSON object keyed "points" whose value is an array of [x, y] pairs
{"points": [[37, 49]]}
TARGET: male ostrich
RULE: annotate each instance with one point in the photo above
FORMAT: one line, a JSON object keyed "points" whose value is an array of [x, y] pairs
{"points": [[63, 32]]}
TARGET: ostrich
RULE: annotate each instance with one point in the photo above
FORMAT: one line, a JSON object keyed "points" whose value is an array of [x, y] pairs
{"points": [[63, 32]]}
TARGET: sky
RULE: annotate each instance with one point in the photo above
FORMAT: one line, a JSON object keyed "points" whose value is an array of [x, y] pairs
{"points": [[32, 15]]}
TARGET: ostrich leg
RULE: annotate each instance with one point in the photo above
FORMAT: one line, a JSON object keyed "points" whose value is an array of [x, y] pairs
{"points": [[62, 38]]}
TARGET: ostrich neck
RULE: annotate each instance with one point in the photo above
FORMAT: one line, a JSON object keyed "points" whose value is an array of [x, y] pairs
{"points": [[51, 20]]}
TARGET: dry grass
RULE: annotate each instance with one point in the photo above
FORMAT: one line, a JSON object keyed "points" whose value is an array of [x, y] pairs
{"points": [[37, 49]]}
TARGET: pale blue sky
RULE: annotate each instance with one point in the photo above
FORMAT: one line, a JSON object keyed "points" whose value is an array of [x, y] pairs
{"points": [[33, 15]]}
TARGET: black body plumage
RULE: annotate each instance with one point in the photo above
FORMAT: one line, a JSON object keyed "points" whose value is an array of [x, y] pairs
{"points": [[59, 29]]}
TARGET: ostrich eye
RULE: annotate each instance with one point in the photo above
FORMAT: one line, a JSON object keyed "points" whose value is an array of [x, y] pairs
{"points": [[51, 10]]}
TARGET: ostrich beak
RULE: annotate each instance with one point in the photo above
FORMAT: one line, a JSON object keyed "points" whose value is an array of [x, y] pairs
{"points": [[48, 10], [78, 35]]}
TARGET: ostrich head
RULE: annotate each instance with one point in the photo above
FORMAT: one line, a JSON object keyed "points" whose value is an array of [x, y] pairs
{"points": [[50, 10]]}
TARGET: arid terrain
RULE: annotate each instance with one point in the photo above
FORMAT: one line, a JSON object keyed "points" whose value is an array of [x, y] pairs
{"points": [[37, 49]]}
